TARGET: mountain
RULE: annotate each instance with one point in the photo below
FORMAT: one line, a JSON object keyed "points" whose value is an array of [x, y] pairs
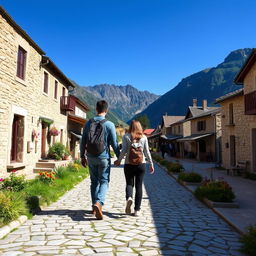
{"points": [[124, 101], [207, 84], [91, 100]]}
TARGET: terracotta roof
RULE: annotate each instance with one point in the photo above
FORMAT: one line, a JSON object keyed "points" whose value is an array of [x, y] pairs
{"points": [[168, 120], [19, 30], [239, 79], [230, 95], [148, 131]]}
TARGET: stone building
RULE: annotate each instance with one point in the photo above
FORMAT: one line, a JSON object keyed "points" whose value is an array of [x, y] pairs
{"points": [[238, 112], [31, 86], [198, 134]]}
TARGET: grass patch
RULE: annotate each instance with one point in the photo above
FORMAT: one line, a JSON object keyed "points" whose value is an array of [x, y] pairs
{"points": [[39, 192], [190, 177]]}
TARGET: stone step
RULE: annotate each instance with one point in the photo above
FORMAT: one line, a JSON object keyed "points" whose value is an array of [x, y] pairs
{"points": [[37, 170], [45, 165]]}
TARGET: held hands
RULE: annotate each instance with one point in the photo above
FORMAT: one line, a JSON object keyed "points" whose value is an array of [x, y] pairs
{"points": [[116, 163], [84, 161]]}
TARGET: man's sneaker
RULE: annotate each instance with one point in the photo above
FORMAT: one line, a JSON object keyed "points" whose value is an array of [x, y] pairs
{"points": [[136, 214], [128, 206], [97, 208]]}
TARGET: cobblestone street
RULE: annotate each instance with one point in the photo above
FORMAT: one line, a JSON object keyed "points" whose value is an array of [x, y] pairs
{"points": [[172, 222]]}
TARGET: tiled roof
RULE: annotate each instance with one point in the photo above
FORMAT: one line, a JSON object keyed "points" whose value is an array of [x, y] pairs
{"points": [[168, 120], [230, 95], [148, 131], [196, 111]]}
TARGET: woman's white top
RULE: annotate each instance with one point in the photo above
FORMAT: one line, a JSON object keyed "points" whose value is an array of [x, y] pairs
{"points": [[126, 144]]}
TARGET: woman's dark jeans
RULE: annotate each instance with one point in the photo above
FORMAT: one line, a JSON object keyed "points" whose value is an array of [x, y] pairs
{"points": [[134, 175]]}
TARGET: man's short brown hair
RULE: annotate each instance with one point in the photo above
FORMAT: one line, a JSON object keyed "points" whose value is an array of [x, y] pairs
{"points": [[101, 106]]}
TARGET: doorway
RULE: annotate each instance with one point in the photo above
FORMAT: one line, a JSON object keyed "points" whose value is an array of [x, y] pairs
{"points": [[232, 150], [43, 140]]}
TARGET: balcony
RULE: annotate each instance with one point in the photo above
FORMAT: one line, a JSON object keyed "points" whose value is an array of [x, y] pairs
{"points": [[250, 103], [67, 103]]}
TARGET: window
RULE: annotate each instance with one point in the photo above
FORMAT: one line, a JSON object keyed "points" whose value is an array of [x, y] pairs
{"points": [[201, 125], [45, 82], [56, 90], [179, 129], [21, 63], [231, 114], [63, 91]]}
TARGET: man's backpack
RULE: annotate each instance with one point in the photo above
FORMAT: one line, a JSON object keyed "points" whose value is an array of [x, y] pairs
{"points": [[135, 153], [96, 141]]}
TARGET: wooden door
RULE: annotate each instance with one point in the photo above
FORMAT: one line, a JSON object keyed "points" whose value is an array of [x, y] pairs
{"points": [[253, 150], [232, 151], [43, 140]]}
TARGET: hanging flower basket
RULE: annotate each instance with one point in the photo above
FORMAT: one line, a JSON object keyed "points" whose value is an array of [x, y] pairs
{"points": [[54, 131], [35, 135]]}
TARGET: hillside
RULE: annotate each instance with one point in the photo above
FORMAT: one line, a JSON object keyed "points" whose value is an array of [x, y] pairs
{"points": [[207, 84]]}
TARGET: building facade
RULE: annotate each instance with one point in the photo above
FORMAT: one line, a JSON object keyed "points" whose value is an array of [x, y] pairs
{"points": [[31, 88]]}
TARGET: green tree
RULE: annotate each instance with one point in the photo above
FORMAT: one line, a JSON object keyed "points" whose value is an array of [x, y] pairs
{"points": [[144, 121]]}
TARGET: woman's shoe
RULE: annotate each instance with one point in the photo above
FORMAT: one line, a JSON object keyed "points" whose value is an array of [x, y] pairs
{"points": [[128, 206], [136, 214]]}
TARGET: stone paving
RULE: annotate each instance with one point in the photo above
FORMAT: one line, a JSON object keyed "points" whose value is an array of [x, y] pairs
{"points": [[172, 222]]}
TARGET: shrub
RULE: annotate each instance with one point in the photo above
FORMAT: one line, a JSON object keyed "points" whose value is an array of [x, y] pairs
{"points": [[77, 161], [12, 205], [190, 177], [14, 182], [47, 177], [156, 157], [57, 151], [217, 191], [164, 162], [33, 203], [174, 167], [73, 167], [250, 175], [249, 241]]}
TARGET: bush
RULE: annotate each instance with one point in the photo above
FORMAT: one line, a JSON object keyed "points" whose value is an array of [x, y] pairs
{"points": [[174, 167], [250, 175], [57, 151], [13, 182], [164, 162], [217, 191], [190, 177], [12, 205], [156, 157], [249, 241]]}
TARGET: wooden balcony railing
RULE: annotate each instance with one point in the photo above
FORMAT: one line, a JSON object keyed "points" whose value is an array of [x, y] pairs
{"points": [[250, 103], [67, 103]]}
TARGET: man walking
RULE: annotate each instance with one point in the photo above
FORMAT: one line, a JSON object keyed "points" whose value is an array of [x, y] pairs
{"points": [[98, 135]]}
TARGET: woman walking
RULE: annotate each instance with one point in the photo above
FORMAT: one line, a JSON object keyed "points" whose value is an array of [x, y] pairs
{"points": [[135, 150]]}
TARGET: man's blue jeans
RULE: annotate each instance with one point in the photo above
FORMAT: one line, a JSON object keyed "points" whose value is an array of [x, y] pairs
{"points": [[99, 174]]}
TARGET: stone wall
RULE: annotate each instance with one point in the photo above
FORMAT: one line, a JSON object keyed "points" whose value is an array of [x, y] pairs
{"points": [[242, 130]]}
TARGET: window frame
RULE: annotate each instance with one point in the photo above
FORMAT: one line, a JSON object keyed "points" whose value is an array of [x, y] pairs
{"points": [[46, 83], [21, 63]]}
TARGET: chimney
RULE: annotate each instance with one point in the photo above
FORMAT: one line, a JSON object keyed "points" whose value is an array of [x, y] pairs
{"points": [[204, 104], [166, 114], [194, 102]]}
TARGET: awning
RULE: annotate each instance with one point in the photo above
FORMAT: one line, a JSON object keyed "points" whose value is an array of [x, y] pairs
{"points": [[79, 136], [77, 119], [154, 135], [195, 137], [170, 137]]}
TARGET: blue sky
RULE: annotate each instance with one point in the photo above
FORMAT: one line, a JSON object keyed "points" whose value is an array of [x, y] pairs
{"points": [[150, 44]]}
